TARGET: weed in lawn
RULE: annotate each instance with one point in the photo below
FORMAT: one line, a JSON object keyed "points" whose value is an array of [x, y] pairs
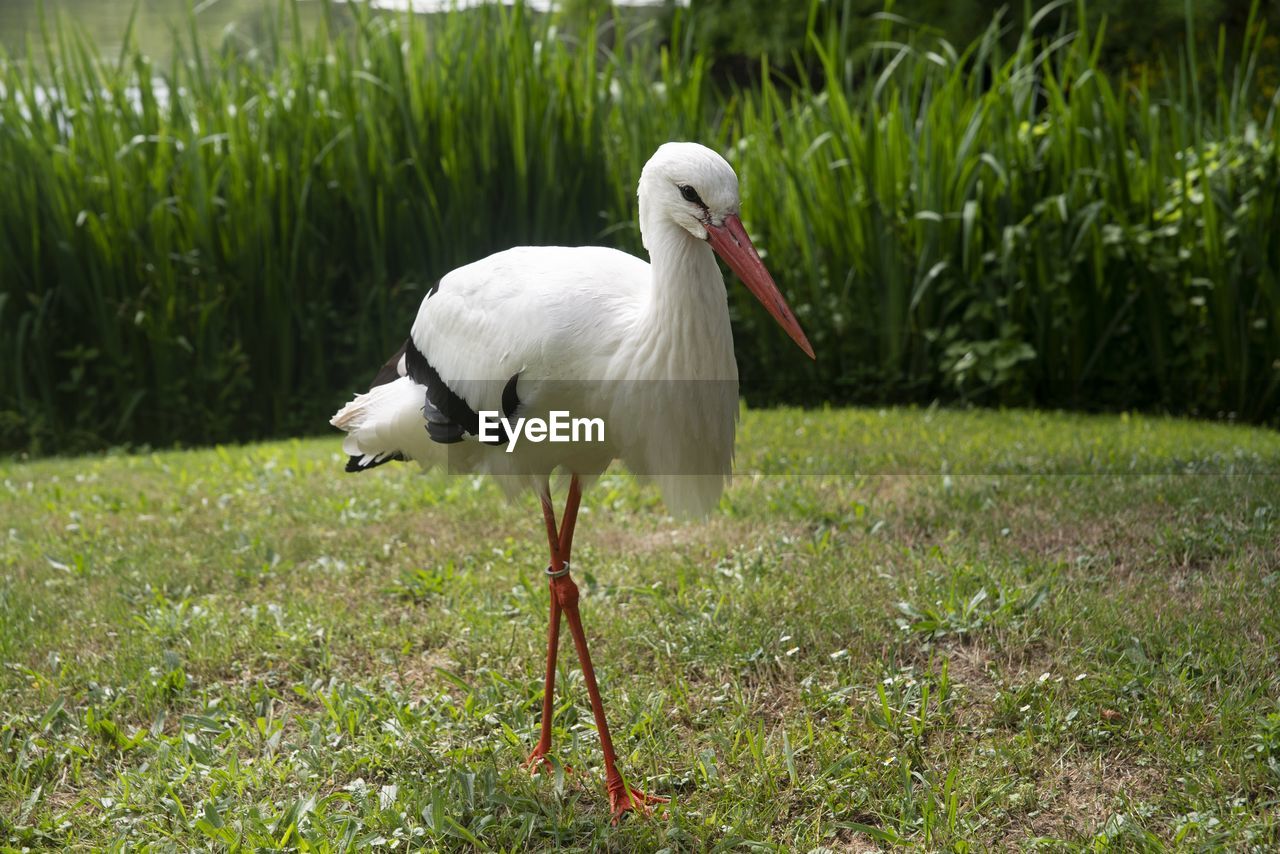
{"points": [[960, 609], [1264, 744], [421, 585]]}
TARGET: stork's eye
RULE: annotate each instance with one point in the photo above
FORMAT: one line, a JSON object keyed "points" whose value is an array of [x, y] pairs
{"points": [[690, 195]]}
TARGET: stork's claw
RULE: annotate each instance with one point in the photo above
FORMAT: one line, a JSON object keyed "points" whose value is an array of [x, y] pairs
{"points": [[623, 799], [540, 763]]}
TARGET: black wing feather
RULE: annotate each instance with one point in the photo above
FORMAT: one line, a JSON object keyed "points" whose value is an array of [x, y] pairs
{"points": [[391, 370], [449, 417]]}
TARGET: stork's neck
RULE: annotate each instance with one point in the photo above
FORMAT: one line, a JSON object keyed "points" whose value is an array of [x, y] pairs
{"points": [[684, 332]]}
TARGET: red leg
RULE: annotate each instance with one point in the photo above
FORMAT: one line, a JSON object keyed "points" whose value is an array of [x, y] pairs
{"points": [[560, 544], [622, 798], [570, 518], [537, 760], [553, 539]]}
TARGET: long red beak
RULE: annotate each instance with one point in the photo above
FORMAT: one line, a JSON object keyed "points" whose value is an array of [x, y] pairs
{"points": [[731, 243]]}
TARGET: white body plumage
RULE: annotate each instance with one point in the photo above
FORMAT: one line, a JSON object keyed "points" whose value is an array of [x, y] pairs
{"points": [[647, 347]]}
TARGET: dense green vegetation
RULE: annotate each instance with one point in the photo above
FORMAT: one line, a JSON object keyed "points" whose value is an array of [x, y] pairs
{"points": [[221, 248], [1141, 33], [246, 647]]}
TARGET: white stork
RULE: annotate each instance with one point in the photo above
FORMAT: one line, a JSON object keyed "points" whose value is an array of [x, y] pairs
{"points": [[593, 332]]}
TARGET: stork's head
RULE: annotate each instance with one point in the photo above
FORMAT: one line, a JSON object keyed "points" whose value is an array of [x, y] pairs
{"points": [[695, 188]]}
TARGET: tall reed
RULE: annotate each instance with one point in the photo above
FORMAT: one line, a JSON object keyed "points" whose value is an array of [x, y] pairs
{"points": [[1025, 228]]}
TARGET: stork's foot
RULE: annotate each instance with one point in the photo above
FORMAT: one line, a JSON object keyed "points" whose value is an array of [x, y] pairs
{"points": [[540, 763], [623, 799]]}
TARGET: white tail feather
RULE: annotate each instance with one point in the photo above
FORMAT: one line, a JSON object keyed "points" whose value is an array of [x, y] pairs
{"points": [[384, 421]]}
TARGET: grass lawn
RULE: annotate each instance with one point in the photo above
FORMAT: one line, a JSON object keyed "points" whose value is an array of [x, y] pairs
{"points": [[1070, 639]]}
